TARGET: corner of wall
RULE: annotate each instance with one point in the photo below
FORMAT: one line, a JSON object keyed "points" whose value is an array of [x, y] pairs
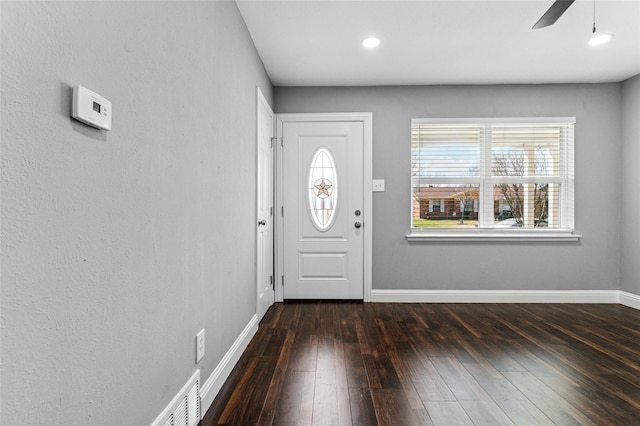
{"points": [[630, 174]]}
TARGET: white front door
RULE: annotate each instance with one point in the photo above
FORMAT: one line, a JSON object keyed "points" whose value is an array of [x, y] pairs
{"points": [[323, 202], [264, 201]]}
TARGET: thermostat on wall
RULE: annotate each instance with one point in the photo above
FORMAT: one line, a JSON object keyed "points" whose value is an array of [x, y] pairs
{"points": [[91, 108]]}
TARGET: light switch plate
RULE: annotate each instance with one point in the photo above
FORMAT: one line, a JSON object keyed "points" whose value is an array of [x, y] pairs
{"points": [[378, 185]]}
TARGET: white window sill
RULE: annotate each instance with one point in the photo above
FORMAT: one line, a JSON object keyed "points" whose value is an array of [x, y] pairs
{"points": [[493, 235]]}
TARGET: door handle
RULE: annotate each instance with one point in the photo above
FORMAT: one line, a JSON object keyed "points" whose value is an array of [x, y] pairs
{"points": [[262, 222], [357, 224]]}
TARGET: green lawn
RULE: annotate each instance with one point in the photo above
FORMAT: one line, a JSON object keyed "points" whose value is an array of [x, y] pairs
{"points": [[452, 223]]}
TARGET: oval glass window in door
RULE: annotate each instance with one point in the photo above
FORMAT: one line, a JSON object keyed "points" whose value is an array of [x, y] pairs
{"points": [[323, 189]]}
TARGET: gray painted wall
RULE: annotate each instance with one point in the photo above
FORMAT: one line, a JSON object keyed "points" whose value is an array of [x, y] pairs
{"points": [[630, 266], [591, 264], [118, 247]]}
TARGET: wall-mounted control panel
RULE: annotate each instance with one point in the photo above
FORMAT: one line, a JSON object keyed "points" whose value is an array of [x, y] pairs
{"points": [[91, 108]]}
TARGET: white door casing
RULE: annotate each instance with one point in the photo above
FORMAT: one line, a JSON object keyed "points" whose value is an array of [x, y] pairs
{"points": [[264, 205], [324, 254]]}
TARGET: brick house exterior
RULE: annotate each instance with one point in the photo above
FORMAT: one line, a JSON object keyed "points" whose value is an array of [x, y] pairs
{"points": [[447, 203]]}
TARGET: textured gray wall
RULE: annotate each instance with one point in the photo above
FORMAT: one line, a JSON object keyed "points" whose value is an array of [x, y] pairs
{"points": [[592, 263], [118, 247], [630, 264]]}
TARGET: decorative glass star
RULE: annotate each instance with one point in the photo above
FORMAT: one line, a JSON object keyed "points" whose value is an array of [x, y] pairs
{"points": [[323, 188]]}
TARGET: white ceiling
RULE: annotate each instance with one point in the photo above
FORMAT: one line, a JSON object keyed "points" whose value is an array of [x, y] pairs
{"points": [[424, 42]]}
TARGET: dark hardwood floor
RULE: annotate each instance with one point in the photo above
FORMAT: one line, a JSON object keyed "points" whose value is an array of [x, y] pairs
{"points": [[442, 364]]}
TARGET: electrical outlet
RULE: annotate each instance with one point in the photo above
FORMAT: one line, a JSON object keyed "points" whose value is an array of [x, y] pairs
{"points": [[199, 345]]}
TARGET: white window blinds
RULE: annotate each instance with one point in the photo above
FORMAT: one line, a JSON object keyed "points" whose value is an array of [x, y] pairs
{"points": [[518, 173]]}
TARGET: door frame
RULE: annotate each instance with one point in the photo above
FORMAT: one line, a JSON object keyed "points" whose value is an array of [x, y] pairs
{"points": [[366, 118]]}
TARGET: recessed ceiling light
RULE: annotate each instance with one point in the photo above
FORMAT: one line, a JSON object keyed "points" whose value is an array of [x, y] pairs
{"points": [[601, 39], [371, 42]]}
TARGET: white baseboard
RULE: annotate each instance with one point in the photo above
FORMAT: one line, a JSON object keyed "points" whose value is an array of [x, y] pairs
{"points": [[496, 296], [214, 383], [629, 299]]}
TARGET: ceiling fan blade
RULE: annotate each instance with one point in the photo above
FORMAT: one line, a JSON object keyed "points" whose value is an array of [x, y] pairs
{"points": [[555, 11]]}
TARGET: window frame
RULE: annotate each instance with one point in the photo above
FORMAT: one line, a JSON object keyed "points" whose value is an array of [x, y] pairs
{"points": [[485, 180]]}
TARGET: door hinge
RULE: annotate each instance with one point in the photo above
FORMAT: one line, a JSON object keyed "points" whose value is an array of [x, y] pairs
{"points": [[281, 140], [271, 282], [282, 211], [270, 211], [283, 281], [273, 140]]}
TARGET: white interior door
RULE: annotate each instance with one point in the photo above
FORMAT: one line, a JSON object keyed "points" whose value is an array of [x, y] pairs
{"points": [[323, 216], [264, 202]]}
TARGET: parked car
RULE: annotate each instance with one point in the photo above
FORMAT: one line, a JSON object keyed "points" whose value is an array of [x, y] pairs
{"points": [[513, 223], [508, 223]]}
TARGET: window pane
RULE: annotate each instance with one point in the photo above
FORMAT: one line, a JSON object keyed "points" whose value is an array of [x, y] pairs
{"points": [[518, 205], [526, 151], [323, 187], [444, 151], [446, 206]]}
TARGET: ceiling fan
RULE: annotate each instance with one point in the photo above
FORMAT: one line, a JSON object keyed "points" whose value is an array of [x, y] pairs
{"points": [[553, 13]]}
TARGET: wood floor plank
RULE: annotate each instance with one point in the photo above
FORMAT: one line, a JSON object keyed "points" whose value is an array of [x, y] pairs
{"points": [[327, 396], [295, 406], [427, 381], [355, 367], [486, 413], [275, 386], [272, 316], [555, 406], [404, 377], [347, 315], [325, 399], [448, 413], [426, 341], [382, 366], [529, 355], [462, 323], [304, 353], [328, 325], [392, 408], [247, 400], [493, 351], [515, 405], [361, 404], [459, 380], [420, 364], [261, 341], [391, 331], [342, 384], [596, 387]]}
